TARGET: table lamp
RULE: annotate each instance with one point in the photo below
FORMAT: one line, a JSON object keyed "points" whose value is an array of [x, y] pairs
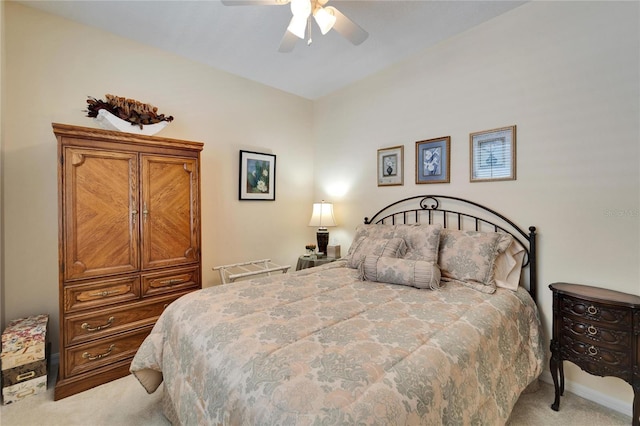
{"points": [[322, 217]]}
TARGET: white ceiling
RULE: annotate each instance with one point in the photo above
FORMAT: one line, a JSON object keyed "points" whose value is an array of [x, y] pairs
{"points": [[244, 40]]}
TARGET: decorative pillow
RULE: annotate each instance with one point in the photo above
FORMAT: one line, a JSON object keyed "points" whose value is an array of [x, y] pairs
{"points": [[422, 241], [508, 266], [382, 232], [469, 257], [393, 247], [414, 273]]}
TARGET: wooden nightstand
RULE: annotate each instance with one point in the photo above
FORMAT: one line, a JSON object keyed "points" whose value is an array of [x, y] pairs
{"points": [[305, 262], [599, 331]]}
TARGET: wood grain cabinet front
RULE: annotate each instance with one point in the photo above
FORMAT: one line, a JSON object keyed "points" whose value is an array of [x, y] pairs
{"points": [[129, 244], [100, 293], [104, 352], [94, 325], [599, 331]]}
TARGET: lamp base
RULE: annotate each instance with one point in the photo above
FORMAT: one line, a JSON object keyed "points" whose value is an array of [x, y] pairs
{"points": [[323, 240]]}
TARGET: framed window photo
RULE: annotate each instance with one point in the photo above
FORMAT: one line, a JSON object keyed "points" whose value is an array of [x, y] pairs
{"points": [[257, 176], [493, 154], [391, 166], [433, 160]]}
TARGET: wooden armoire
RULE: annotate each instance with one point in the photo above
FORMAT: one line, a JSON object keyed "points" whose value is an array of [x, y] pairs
{"points": [[129, 245]]}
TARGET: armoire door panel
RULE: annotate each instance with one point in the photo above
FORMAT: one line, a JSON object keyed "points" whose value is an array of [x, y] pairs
{"points": [[100, 223], [169, 211]]}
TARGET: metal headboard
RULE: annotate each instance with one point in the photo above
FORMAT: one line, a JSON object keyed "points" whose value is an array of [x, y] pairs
{"points": [[478, 218]]}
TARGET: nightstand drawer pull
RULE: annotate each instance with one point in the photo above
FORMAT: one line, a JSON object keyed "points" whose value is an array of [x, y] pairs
{"points": [[592, 330], [592, 351], [90, 357], [592, 310], [86, 326]]}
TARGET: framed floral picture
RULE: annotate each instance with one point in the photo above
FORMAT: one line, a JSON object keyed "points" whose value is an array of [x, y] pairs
{"points": [[433, 160], [493, 154], [257, 176], [391, 166]]}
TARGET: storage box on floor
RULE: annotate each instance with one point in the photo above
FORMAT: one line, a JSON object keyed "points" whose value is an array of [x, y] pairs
{"points": [[23, 358]]}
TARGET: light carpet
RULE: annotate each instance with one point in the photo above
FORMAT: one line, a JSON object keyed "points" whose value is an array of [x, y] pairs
{"points": [[124, 402]]}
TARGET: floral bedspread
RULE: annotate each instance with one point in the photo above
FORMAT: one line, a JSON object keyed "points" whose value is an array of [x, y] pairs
{"points": [[322, 347]]}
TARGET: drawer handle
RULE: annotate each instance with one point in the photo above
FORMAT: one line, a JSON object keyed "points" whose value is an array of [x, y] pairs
{"points": [[171, 282], [105, 293], [25, 376], [87, 296], [86, 326], [592, 351], [592, 330], [592, 310], [90, 357], [25, 393]]}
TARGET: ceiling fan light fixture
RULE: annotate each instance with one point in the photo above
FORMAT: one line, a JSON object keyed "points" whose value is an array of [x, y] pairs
{"points": [[325, 19], [298, 26], [301, 8]]}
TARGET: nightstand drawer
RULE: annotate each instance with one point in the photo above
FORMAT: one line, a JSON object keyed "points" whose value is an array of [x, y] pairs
{"points": [[597, 312], [596, 359], [591, 332]]}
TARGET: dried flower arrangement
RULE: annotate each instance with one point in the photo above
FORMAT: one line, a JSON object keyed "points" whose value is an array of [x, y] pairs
{"points": [[135, 112]]}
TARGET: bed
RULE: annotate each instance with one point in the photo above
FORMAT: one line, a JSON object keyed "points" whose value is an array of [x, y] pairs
{"points": [[429, 319]]}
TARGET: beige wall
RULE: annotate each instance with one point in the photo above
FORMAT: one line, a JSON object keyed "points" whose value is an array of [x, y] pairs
{"points": [[566, 73], [54, 64]]}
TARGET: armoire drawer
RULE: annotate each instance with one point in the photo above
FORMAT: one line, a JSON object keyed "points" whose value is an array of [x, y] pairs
{"points": [[93, 355], [170, 280], [101, 293], [81, 328]]}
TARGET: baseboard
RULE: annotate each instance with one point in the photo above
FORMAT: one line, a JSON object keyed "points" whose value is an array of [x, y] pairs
{"points": [[592, 395]]}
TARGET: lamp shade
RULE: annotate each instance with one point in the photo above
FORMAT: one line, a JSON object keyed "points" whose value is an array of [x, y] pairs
{"points": [[298, 26], [325, 19], [301, 10], [322, 215]]}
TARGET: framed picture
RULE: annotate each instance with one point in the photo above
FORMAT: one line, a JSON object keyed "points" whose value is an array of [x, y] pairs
{"points": [[391, 166], [257, 176], [433, 160], [493, 154]]}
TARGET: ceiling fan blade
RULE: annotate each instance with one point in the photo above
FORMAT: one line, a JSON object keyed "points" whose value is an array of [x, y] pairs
{"points": [[254, 2], [288, 42], [347, 28]]}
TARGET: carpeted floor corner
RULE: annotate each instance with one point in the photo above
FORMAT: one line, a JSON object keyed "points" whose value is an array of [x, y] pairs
{"points": [[124, 402]]}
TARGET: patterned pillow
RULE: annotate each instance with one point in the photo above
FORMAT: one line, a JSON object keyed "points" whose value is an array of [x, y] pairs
{"points": [[414, 273], [468, 257], [422, 241], [382, 232], [393, 247]]}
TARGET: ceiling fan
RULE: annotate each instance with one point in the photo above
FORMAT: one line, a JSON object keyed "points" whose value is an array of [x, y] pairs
{"points": [[327, 18]]}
